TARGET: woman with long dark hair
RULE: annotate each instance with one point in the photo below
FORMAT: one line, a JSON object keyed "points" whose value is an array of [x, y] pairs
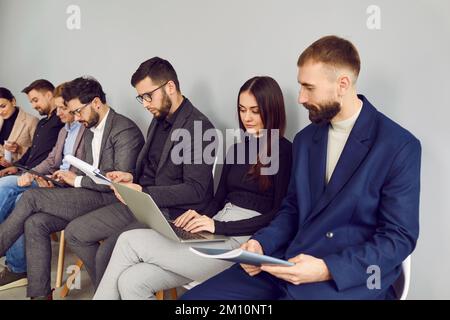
{"points": [[253, 183]]}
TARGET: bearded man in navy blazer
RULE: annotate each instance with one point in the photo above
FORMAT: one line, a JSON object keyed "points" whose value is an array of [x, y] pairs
{"points": [[351, 213]]}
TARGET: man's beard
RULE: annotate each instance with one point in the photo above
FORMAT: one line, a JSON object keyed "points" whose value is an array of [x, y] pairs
{"points": [[42, 112], [166, 104], [324, 112], [93, 121]]}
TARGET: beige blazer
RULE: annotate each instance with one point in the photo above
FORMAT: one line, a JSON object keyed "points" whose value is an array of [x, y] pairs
{"points": [[22, 133]]}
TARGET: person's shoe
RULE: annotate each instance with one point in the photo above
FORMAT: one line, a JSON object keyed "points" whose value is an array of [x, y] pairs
{"points": [[49, 297], [9, 279]]}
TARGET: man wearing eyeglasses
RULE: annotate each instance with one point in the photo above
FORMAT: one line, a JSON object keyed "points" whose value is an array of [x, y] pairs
{"points": [[175, 187], [112, 143]]}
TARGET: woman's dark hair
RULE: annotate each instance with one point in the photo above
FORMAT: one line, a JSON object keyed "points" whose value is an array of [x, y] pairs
{"points": [[84, 89], [157, 69], [6, 94], [270, 101]]}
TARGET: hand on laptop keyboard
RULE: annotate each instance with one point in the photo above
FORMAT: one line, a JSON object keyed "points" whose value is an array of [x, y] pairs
{"points": [[183, 234]]}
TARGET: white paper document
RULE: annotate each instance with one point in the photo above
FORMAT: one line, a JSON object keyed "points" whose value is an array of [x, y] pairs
{"points": [[88, 169], [239, 256]]}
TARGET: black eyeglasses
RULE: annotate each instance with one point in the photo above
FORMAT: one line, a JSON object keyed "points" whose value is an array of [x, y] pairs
{"points": [[77, 112], [148, 95]]}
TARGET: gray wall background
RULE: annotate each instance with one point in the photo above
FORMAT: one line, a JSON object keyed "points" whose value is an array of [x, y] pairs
{"points": [[216, 45]]}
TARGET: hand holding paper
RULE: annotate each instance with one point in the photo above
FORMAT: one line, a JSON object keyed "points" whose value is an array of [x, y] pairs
{"points": [[119, 176], [67, 177], [252, 246], [240, 256], [306, 269], [88, 169]]}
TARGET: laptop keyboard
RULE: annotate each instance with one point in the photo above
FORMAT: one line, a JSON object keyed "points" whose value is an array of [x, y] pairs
{"points": [[185, 235]]}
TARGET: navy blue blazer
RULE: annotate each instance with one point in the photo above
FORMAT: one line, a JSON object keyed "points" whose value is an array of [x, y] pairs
{"points": [[368, 213]]}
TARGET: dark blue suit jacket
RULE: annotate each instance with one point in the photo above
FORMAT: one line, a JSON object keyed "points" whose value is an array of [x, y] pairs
{"points": [[368, 214]]}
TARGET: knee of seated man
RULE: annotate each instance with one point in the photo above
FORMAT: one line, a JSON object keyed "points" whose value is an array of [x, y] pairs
{"points": [[27, 199], [35, 224], [29, 196], [73, 233]]}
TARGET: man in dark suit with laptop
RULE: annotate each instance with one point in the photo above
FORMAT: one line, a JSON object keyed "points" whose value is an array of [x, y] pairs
{"points": [[174, 186]]}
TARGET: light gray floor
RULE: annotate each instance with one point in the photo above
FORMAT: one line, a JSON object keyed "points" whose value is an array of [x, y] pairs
{"points": [[85, 292]]}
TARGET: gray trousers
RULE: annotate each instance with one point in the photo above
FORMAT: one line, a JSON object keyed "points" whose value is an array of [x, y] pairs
{"points": [[38, 207], [83, 236], [144, 262]]}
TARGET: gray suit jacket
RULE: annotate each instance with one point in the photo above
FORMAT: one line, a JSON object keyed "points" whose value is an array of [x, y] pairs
{"points": [[180, 187], [122, 140], [55, 157]]}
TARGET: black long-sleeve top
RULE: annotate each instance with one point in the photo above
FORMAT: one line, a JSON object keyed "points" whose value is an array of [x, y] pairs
{"points": [[242, 190], [8, 125], [44, 140]]}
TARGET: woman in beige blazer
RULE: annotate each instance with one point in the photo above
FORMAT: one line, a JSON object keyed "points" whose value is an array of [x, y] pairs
{"points": [[20, 137]]}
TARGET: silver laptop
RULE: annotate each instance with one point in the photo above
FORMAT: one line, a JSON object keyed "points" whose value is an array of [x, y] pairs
{"points": [[147, 212]]}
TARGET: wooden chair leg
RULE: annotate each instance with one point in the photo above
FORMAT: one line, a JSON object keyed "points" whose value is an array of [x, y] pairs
{"points": [[65, 291], [60, 267], [160, 295], [173, 293]]}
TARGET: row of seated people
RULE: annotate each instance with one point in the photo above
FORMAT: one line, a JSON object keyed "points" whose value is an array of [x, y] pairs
{"points": [[340, 196], [179, 189]]}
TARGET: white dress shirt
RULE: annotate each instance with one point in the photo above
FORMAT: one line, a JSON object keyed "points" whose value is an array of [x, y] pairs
{"points": [[96, 145]]}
